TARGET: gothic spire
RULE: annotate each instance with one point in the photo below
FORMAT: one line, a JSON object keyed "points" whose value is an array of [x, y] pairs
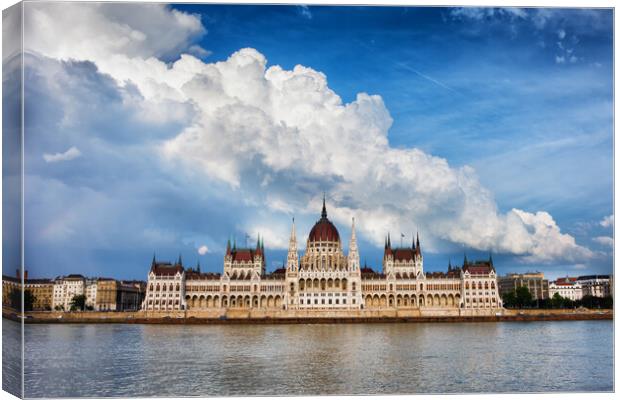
{"points": [[154, 262], [413, 243], [293, 258], [324, 211], [417, 240], [389, 243], [490, 259], [465, 259], [354, 257], [180, 262]]}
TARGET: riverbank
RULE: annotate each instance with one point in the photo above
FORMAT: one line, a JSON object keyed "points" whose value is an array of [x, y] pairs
{"points": [[307, 317]]}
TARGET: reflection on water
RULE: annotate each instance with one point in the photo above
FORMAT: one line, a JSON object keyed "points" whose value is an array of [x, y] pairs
{"points": [[149, 360], [11, 357]]}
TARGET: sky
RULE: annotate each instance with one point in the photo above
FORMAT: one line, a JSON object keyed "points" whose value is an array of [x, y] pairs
{"points": [[158, 129]]}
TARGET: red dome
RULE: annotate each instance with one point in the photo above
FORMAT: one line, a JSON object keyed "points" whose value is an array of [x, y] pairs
{"points": [[324, 230]]}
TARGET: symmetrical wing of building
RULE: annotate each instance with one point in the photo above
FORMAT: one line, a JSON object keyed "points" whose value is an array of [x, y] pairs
{"points": [[322, 278]]}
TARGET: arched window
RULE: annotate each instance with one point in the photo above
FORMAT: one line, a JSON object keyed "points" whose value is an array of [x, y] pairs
{"points": [[492, 285], [466, 285], [353, 286], [323, 263], [164, 287]]}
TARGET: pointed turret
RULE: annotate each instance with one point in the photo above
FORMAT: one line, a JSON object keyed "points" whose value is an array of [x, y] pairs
{"points": [[180, 261], [354, 257], [413, 243], [154, 262], [417, 240], [465, 260], [490, 259], [388, 247], [258, 241], [198, 266], [449, 265], [324, 211], [292, 258], [235, 244]]}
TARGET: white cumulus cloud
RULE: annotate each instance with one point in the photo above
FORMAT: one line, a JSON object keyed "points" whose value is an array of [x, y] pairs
{"points": [[604, 240], [607, 221], [263, 129], [202, 250], [70, 154]]}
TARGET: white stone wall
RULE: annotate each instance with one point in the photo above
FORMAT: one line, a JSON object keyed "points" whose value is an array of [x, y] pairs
{"points": [[165, 292], [480, 291], [64, 291], [572, 291]]}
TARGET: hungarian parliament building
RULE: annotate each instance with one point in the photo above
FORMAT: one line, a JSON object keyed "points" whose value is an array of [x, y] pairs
{"points": [[324, 278]]}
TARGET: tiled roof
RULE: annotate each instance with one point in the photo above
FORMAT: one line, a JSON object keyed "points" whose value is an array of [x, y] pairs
{"points": [[246, 255], [478, 268], [166, 269], [193, 275], [403, 254]]}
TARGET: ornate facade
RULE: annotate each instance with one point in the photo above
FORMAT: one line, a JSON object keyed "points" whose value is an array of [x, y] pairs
{"points": [[323, 278]]}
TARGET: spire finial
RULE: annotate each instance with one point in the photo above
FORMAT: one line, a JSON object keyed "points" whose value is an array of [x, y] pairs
{"points": [[180, 262], [154, 262], [324, 211]]}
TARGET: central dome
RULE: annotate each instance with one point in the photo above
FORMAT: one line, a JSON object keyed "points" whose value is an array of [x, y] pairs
{"points": [[324, 230]]}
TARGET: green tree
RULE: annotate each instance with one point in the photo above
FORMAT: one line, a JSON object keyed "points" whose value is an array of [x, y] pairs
{"points": [[523, 297], [29, 300], [596, 302], [509, 299], [557, 301], [78, 302], [16, 300]]}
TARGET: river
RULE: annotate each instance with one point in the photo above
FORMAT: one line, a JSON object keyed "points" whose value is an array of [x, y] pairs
{"points": [[399, 358]]}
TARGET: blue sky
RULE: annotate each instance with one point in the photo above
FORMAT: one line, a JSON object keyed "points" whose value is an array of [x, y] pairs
{"points": [[488, 130]]}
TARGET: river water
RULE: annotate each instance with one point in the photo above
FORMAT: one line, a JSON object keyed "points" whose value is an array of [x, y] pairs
{"points": [[200, 360]]}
